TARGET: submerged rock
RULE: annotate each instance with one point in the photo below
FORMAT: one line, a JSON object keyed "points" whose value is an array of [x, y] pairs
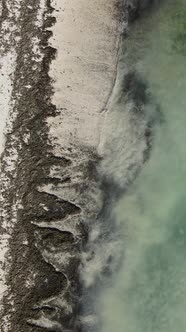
{"points": [[135, 7]]}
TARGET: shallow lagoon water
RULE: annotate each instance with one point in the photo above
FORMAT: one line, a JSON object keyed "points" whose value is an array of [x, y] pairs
{"points": [[148, 293]]}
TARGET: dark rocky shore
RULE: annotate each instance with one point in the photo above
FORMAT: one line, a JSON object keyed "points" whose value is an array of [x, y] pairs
{"points": [[42, 268], [44, 291]]}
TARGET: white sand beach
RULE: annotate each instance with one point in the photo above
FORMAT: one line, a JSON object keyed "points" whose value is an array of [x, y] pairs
{"points": [[86, 36]]}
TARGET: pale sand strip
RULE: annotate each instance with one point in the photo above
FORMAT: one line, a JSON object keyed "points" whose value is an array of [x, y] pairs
{"points": [[86, 37]]}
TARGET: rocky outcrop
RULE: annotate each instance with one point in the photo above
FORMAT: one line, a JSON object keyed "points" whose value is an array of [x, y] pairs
{"points": [[49, 184], [51, 196]]}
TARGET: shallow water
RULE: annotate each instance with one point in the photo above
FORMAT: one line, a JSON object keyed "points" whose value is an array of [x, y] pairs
{"points": [[148, 292]]}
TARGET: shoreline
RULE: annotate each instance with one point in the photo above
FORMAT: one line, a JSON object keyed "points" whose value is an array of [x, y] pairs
{"points": [[50, 190]]}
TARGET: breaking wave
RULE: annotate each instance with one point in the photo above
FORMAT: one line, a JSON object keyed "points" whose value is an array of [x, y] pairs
{"points": [[129, 240]]}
